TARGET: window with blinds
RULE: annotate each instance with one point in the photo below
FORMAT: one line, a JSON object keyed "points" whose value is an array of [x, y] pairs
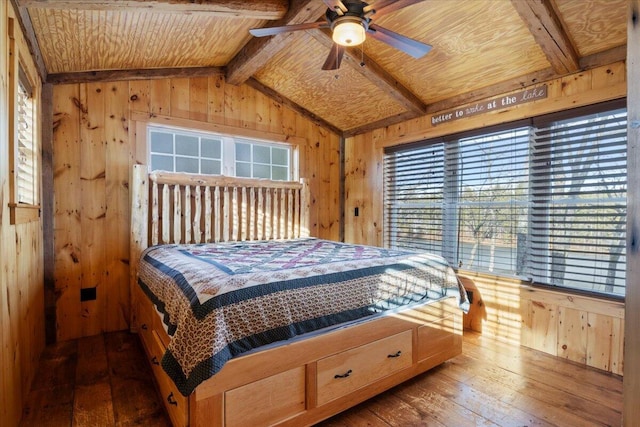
{"points": [[544, 201], [26, 161], [414, 198], [578, 216], [24, 144], [491, 205]]}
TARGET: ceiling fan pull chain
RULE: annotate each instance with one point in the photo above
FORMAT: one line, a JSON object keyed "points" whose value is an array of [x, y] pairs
{"points": [[362, 57]]}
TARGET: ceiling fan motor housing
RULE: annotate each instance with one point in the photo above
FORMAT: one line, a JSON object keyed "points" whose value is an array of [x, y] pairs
{"points": [[355, 13]]}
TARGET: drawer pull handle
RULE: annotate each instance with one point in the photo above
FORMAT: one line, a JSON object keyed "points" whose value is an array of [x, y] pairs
{"points": [[397, 354], [144, 326], [171, 400], [345, 375], [154, 360]]}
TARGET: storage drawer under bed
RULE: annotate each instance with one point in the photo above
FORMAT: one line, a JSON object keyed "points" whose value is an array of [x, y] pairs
{"points": [[150, 329], [350, 370], [283, 397]]}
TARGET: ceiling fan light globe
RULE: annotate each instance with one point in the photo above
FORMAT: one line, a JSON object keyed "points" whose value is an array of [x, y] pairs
{"points": [[349, 33]]}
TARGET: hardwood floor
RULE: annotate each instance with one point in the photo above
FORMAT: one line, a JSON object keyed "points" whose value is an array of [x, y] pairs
{"points": [[105, 381]]}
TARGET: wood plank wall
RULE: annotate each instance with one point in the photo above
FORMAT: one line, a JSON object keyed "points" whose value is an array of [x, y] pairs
{"points": [[586, 330], [21, 275], [94, 146]]}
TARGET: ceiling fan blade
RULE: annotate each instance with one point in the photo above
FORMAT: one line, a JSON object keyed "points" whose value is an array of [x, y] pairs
{"points": [[272, 31], [409, 46], [382, 7], [335, 57]]}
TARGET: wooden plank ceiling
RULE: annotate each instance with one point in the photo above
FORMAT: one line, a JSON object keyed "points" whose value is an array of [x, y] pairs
{"points": [[480, 48]]}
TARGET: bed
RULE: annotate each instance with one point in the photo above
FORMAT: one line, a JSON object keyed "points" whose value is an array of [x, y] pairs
{"points": [[247, 320]]}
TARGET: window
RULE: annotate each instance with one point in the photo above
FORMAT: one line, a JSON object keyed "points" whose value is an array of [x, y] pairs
{"points": [[490, 176], [578, 215], [185, 152], [255, 160], [178, 150], [24, 144], [26, 163], [543, 201], [24, 152], [414, 198]]}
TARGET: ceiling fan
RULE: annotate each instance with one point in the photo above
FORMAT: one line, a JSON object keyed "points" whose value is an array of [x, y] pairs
{"points": [[350, 21]]}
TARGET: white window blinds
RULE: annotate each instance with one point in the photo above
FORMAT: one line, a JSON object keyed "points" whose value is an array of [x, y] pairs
{"points": [[578, 217], [543, 201], [26, 177]]}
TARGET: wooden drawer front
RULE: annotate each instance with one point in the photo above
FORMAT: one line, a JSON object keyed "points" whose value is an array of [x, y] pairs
{"points": [[266, 401], [150, 331], [177, 405], [146, 321], [149, 319], [347, 371], [437, 337]]}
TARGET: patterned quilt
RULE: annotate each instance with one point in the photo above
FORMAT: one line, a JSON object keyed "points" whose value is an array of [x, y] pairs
{"points": [[219, 301]]}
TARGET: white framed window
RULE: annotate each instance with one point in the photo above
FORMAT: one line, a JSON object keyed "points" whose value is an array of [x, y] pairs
{"points": [[175, 150], [181, 150], [259, 160]]}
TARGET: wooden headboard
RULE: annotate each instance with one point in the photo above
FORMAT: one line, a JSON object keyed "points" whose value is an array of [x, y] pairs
{"points": [[185, 208]]}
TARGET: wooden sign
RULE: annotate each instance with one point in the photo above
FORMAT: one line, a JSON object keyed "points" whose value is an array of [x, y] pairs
{"points": [[527, 95]]}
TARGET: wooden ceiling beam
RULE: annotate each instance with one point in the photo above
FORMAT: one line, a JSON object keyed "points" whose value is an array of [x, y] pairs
{"points": [[383, 123], [371, 70], [545, 25], [494, 90], [462, 99], [138, 74], [32, 41], [600, 59], [606, 57], [266, 9], [259, 50], [252, 82]]}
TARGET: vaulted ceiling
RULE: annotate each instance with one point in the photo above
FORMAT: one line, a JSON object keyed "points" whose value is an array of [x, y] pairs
{"points": [[480, 48]]}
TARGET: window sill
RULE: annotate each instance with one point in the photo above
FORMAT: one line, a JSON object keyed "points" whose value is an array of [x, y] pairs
{"points": [[529, 287], [22, 214]]}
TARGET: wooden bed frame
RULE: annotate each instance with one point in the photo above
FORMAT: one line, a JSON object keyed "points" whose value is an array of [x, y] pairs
{"points": [[298, 383]]}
